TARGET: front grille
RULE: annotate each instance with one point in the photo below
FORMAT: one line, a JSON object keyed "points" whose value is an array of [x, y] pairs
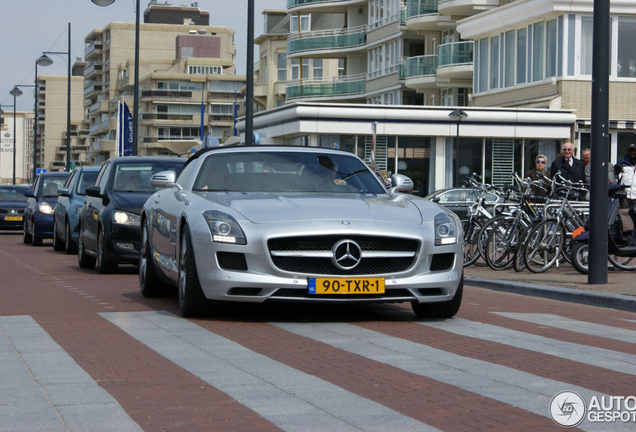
{"points": [[295, 293], [231, 261], [442, 262], [8, 211], [324, 265]]}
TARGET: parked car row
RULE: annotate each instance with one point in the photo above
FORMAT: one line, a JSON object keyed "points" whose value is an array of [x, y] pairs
{"points": [[255, 224]]}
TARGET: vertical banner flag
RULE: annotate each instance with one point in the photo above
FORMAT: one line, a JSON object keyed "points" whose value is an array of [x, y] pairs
{"points": [[124, 130]]}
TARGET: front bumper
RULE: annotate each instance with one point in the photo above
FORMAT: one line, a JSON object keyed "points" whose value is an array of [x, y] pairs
{"points": [[44, 225], [122, 246]]}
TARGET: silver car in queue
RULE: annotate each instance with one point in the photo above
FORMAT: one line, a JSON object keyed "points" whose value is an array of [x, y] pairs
{"points": [[299, 224]]}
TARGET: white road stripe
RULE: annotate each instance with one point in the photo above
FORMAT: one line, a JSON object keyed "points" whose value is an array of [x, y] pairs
{"points": [[43, 388], [290, 399], [589, 355], [584, 327], [507, 385]]}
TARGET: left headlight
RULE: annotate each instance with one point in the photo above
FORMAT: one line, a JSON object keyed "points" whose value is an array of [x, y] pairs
{"points": [[446, 231], [125, 218], [45, 208], [224, 228]]}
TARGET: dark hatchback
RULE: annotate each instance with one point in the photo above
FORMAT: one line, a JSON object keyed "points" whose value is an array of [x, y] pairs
{"points": [[459, 200], [109, 231], [66, 212], [13, 201], [38, 216]]}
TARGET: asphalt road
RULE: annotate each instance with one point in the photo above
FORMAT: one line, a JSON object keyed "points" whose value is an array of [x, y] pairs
{"points": [[81, 351]]}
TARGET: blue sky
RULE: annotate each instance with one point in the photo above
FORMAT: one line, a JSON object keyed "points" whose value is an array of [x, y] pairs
{"points": [[29, 27]]}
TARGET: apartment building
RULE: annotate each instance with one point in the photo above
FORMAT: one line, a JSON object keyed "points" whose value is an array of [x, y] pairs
{"points": [[20, 142], [52, 108], [187, 81]]}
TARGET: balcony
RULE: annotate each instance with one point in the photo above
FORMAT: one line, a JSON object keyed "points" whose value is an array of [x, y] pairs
{"points": [[422, 15], [92, 70], [466, 8], [91, 88], [104, 145], [420, 72], [455, 60], [167, 117], [166, 94], [94, 47], [326, 43], [327, 88], [321, 6]]}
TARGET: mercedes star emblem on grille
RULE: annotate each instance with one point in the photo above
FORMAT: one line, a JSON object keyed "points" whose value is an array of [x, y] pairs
{"points": [[13, 211], [346, 254]]}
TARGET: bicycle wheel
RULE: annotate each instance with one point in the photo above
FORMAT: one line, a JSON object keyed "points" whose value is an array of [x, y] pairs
{"points": [[482, 237], [519, 263], [471, 250], [501, 245], [623, 263], [544, 245]]}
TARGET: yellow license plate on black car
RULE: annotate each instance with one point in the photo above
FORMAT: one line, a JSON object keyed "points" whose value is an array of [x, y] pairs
{"points": [[346, 285], [13, 218]]}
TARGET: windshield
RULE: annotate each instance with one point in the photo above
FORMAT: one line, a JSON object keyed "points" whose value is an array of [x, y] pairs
{"points": [[280, 171], [51, 185], [136, 177], [12, 194], [87, 179]]}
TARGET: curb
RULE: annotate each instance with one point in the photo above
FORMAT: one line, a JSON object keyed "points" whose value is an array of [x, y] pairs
{"points": [[573, 295]]}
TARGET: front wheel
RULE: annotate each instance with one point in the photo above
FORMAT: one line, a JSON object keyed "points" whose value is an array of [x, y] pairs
{"points": [[58, 245], [623, 263], [445, 309], [149, 283], [26, 237], [192, 301], [70, 246], [544, 245], [104, 265], [471, 230], [580, 256], [84, 260], [37, 240]]}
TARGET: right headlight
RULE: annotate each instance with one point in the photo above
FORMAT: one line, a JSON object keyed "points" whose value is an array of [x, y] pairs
{"points": [[224, 228], [446, 230]]}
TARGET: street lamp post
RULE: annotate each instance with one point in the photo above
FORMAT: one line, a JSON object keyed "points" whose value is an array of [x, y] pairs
{"points": [[136, 80], [41, 61], [15, 92], [47, 61], [457, 115]]}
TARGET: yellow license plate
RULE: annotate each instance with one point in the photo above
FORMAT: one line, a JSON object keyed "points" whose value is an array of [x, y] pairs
{"points": [[13, 218], [346, 285]]}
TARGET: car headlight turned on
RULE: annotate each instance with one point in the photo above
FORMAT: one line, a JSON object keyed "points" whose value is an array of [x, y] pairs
{"points": [[224, 228], [45, 208], [125, 218], [445, 230]]}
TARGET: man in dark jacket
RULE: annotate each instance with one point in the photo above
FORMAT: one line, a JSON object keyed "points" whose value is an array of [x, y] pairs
{"points": [[571, 168]]}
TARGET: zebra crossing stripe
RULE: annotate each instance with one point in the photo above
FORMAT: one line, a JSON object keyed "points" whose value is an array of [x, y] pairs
{"points": [[290, 399], [42, 383], [507, 385], [572, 325], [593, 356]]}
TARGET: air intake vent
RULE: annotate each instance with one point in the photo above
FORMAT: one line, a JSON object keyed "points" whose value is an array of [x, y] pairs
{"points": [[231, 261], [442, 262]]}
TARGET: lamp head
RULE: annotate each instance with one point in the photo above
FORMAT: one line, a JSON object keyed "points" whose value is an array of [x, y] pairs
{"points": [[103, 2], [44, 60], [16, 91], [457, 115]]}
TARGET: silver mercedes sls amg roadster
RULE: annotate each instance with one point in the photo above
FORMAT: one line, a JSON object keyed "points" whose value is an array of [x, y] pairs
{"points": [[296, 224]]}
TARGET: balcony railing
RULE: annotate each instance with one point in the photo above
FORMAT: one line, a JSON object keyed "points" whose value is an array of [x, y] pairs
{"points": [[327, 39], [157, 138], [92, 46], [455, 54], [166, 93], [91, 88], [92, 68], [327, 87], [419, 66], [166, 116], [420, 7]]}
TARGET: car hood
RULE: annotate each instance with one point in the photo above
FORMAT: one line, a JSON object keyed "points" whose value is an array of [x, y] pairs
{"points": [[262, 208], [130, 201]]}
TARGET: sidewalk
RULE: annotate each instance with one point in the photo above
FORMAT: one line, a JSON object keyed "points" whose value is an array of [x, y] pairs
{"points": [[564, 284]]}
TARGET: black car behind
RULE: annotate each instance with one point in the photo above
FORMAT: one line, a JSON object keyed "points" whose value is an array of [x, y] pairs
{"points": [[109, 232], [12, 205]]}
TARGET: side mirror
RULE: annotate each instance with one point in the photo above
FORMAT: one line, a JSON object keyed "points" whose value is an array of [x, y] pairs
{"points": [[401, 183], [164, 179], [93, 191], [29, 194], [435, 199], [63, 192]]}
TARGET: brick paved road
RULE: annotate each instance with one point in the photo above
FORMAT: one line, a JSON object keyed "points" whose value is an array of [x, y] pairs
{"points": [[86, 352]]}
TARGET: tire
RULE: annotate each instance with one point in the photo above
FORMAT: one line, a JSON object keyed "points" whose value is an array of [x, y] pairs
{"points": [[623, 263], [84, 260], [471, 249], [70, 245], [58, 245], [149, 283], [37, 240], [519, 263], [445, 309], [192, 301], [501, 245], [104, 265], [26, 237], [543, 246], [579, 256], [483, 235]]}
